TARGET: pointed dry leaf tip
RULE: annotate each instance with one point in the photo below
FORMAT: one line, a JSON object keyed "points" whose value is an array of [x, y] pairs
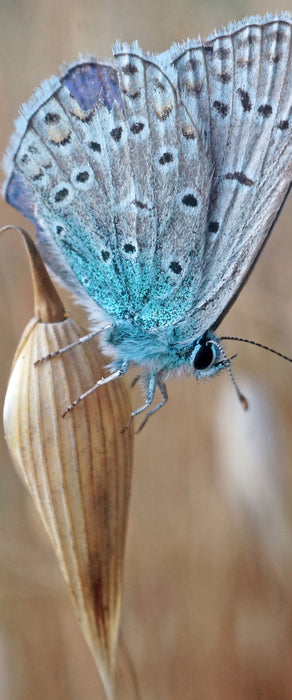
{"points": [[77, 470], [48, 307]]}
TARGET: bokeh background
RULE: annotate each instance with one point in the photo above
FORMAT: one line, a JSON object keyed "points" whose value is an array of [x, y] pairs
{"points": [[207, 605]]}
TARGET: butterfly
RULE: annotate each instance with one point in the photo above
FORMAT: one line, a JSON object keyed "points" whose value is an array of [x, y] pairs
{"points": [[154, 182]]}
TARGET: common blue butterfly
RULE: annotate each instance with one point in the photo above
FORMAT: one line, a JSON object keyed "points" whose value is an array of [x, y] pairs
{"points": [[154, 183]]}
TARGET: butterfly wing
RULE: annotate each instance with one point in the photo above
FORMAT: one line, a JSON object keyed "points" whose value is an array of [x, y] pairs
{"points": [[106, 179], [171, 206], [160, 180], [89, 82], [238, 87]]}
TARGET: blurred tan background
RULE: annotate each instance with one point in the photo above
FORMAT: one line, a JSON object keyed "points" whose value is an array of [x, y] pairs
{"points": [[208, 578]]}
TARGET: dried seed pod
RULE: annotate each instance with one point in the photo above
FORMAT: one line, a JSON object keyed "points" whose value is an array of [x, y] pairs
{"points": [[77, 468]]}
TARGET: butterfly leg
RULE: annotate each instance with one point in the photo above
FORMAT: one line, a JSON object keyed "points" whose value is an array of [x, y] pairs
{"points": [[83, 339], [148, 402], [104, 380], [163, 390]]}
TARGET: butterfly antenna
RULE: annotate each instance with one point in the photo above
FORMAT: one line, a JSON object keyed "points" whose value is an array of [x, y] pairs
{"points": [[258, 345], [227, 362]]}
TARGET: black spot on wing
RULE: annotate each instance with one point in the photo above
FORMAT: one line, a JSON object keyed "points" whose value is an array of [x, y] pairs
{"points": [[224, 77], [265, 111], [221, 107], [240, 177], [189, 200], [61, 194], [137, 127], [222, 52], [244, 99], [193, 64], [245, 42], [208, 49], [94, 146], [116, 133], [129, 69], [129, 248], [213, 226], [166, 157], [82, 176], [283, 124], [52, 118], [175, 267], [276, 58], [139, 204]]}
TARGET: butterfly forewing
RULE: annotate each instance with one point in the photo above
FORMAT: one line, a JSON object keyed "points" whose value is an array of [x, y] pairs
{"points": [[239, 84]]}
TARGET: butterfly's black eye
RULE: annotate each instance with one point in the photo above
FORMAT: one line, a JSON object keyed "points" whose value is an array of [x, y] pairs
{"points": [[205, 356]]}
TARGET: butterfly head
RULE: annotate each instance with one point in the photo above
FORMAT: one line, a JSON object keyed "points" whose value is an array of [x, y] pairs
{"points": [[205, 356], [162, 352]]}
